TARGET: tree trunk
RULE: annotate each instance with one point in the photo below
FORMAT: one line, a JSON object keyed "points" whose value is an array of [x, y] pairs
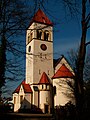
{"points": [[80, 62]]}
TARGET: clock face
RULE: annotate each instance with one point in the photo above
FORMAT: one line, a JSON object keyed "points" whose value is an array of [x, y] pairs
{"points": [[43, 47]]}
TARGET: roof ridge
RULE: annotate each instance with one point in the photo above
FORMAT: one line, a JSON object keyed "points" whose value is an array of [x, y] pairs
{"points": [[26, 87]]}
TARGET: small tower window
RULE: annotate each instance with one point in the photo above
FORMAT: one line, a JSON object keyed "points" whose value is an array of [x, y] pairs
{"points": [[28, 38], [46, 87], [46, 36], [29, 48], [42, 86], [39, 34]]}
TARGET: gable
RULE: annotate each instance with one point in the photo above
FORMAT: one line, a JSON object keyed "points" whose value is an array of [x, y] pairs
{"points": [[62, 61], [63, 72], [44, 79], [23, 87]]}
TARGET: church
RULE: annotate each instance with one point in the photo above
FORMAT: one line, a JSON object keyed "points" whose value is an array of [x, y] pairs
{"points": [[47, 80]]}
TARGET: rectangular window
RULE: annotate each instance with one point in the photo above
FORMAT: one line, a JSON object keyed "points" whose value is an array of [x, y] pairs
{"points": [[54, 88], [42, 86], [21, 98], [14, 100], [39, 34]]}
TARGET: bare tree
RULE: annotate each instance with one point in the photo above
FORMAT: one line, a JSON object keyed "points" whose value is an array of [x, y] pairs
{"points": [[85, 22], [14, 19]]}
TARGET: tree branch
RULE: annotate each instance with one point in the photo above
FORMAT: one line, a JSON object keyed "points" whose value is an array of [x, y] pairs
{"points": [[87, 43]]}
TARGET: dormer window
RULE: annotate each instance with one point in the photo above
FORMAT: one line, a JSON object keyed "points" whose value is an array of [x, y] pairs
{"points": [[43, 19], [39, 34]]}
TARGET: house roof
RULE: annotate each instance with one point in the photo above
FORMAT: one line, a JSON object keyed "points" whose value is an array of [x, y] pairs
{"points": [[44, 79], [57, 61], [40, 17], [26, 87], [63, 72]]}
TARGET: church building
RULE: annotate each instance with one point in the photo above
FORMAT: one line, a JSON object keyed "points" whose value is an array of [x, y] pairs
{"points": [[47, 80]]}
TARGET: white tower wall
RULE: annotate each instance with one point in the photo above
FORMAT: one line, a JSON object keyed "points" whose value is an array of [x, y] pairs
{"points": [[38, 60]]}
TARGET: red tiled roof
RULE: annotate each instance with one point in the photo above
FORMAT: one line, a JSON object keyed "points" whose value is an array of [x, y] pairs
{"points": [[63, 72], [44, 79], [26, 87], [40, 17]]}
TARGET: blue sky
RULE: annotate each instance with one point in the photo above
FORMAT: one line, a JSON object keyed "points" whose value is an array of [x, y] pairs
{"points": [[67, 31], [67, 28]]}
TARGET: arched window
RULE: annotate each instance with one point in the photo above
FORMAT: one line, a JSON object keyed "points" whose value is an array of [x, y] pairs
{"points": [[39, 34], [46, 87], [30, 37], [46, 35]]}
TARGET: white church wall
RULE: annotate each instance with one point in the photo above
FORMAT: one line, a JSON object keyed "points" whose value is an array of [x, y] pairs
{"points": [[45, 99], [42, 58], [27, 101], [35, 98], [64, 93], [16, 102], [37, 58], [29, 63]]}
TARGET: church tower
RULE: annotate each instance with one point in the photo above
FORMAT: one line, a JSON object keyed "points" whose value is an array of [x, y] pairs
{"points": [[39, 50]]}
